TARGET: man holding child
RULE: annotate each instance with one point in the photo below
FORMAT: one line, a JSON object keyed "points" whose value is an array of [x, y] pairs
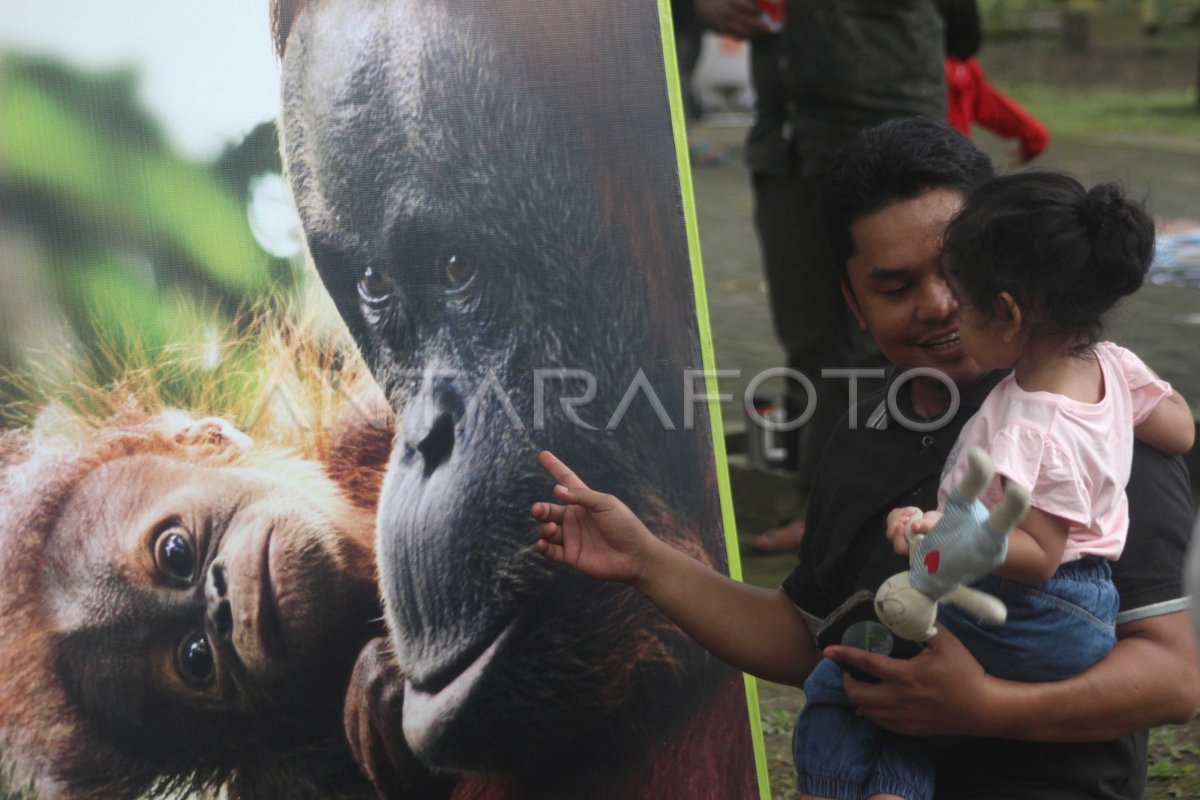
{"points": [[888, 204]]}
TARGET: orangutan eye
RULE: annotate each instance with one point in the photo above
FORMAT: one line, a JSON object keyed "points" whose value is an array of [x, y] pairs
{"points": [[375, 289], [195, 659], [174, 554], [460, 273]]}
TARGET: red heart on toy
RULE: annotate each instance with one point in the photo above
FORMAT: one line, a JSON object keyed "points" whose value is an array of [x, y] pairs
{"points": [[932, 560]]}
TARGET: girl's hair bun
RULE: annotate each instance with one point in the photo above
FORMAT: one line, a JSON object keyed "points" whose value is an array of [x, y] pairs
{"points": [[1065, 253], [1121, 234], [1103, 204]]}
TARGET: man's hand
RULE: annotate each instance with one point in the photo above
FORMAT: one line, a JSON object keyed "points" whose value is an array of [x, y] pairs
{"points": [[592, 532], [940, 692], [1150, 678], [740, 18]]}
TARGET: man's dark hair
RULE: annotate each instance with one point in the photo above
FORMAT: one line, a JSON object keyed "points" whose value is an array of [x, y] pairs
{"points": [[898, 160]]}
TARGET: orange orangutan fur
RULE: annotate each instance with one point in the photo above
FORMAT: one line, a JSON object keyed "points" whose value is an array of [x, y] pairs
{"points": [[317, 421], [46, 742]]}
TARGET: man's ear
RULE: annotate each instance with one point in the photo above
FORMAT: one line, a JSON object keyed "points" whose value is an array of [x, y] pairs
{"points": [[852, 301], [1008, 314]]}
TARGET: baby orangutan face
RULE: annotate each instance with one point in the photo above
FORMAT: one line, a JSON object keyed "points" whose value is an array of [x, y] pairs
{"points": [[199, 607]]}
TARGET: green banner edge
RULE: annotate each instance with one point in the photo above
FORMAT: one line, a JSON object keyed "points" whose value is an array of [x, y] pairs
{"points": [[683, 161]]}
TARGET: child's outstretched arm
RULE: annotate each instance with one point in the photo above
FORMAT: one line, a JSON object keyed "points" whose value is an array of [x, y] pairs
{"points": [[756, 630], [1170, 427]]}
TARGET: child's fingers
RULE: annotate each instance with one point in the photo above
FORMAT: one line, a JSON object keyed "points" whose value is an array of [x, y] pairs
{"points": [[922, 527], [926, 523], [898, 519]]}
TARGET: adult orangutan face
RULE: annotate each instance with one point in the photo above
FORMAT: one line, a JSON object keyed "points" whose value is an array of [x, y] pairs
{"points": [[474, 224]]}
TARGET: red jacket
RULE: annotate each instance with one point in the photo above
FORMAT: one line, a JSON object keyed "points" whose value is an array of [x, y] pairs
{"points": [[970, 98]]}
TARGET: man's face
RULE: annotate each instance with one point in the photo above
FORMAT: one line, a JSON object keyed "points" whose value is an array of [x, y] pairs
{"points": [[897, 288]]}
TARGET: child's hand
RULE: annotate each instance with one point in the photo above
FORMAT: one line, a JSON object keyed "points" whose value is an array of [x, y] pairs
{"points": [[925, 524], [592, 532], [897, 521]]}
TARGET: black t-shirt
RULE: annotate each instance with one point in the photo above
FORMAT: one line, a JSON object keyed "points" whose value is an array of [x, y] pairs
{"points": [[881, 465]]}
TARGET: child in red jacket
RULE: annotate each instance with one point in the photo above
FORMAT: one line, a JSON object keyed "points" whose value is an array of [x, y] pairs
{"points": [[969, 95], [970, 98]]}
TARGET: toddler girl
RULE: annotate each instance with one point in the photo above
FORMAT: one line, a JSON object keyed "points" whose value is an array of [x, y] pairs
{"points": [[1034, 261]]}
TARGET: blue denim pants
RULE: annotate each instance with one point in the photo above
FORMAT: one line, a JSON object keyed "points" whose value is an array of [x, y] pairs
{"points": [[1053, 631]]}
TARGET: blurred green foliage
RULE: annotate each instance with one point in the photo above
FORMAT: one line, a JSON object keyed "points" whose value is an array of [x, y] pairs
{"points": [[143, 247], [124, 179]]}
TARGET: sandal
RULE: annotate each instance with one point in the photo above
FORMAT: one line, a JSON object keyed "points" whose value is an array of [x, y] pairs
{"points": [[706, 154], [782, 539]]}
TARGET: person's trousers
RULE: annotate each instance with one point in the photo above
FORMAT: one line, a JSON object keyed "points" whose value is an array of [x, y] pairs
{"points": [[813, 323]]}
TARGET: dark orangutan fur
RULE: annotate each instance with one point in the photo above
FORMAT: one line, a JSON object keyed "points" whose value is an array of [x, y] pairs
{"points": [[487, 189], [89, 707]]}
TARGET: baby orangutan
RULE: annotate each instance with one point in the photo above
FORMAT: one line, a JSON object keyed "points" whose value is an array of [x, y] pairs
{"points": [[183, 608]]}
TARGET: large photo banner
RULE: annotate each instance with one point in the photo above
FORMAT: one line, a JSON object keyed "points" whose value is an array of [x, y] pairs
{"points": [[291, 300]]}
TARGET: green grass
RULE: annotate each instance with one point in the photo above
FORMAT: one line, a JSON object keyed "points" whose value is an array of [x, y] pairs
{"points": [[1163, 119], [778, 707], [1174, 769]]}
